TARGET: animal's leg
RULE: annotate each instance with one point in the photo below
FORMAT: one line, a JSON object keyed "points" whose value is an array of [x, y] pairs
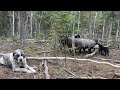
{"points": [[99, 51], [19, 69], [105, 53], [83, 50], [76, 51], [102, 52], [30, 68], [71, 52], [108, 52], [2, 61], [79, 51], [23, 70], [89, 50]]}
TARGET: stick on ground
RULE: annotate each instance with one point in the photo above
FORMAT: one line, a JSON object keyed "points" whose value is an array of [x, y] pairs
{"points": [[71, 73], [46, 70], [69, 58]]}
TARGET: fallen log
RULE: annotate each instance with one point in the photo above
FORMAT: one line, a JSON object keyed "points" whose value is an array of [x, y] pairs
{"points": [[81, 78], [102, 59], [69, 58], [108, 60]]}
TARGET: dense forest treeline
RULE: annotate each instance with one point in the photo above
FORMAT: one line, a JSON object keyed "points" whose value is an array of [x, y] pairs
{"points": [[49, 24]]}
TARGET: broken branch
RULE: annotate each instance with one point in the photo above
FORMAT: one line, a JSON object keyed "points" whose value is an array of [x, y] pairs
{"points": [[62, 58], [92, 54], [46, 70], [81, 78], [70, 72]]}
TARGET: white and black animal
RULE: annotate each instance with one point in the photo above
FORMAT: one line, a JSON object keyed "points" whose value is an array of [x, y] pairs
{"points": [[103, 50], [17, 61], [77, 36]]}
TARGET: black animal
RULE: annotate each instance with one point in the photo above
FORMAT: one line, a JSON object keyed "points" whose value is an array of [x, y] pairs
{"points": [[67, 41], [77, 36], [103, 50], [80, 43]]}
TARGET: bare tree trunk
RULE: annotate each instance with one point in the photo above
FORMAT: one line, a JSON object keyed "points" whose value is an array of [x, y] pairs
{"points": [[103, 29], [110, 25], [18, 33], [13, 14], [23, 18], [26, 36], [36, 27], [65, 64], [117, 33], [94, 25], [31, 15], [90, 25], [73, 42], [78, 20], [55, 43], [10, 26], [39, 28]]}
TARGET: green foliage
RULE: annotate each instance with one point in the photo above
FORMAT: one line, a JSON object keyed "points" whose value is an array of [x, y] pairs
{"points": [[31, 50], [40, 36], [3, 38], [80, 30], [112, 39], [59, 21], [13, 39]]}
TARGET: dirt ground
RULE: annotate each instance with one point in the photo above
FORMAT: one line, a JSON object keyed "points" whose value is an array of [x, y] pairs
{"points": [[56, 67]]}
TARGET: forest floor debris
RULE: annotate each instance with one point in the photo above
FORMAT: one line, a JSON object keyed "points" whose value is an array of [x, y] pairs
{"points": [[56, 68]]}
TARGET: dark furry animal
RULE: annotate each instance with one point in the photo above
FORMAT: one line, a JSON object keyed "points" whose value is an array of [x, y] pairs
{"points": [[103, 50], [77, 36], [80, 43]]}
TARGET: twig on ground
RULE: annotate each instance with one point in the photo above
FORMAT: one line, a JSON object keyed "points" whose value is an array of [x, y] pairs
{"points": [[71, 73], [81, 78], [47, 76]]}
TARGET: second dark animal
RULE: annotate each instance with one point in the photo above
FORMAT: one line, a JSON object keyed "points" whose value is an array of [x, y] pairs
{"points": [[103, 50]]}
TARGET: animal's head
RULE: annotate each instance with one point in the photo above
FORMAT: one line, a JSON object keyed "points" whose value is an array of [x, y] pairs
{"points": [[100, 45], [77, 36], [96, 41], [19, 55]]}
